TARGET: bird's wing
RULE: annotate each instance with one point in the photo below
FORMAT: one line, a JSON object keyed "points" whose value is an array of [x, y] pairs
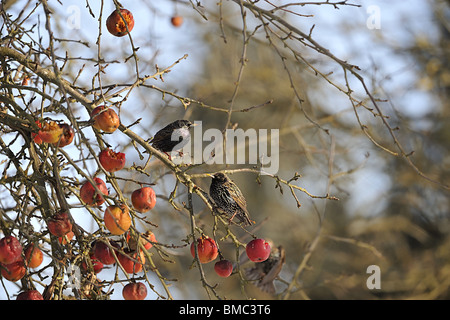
{"points": [[157, 137], [238, 197], [268, 287], [253, 273], [276, 268], [161, 137], [256, 273]]}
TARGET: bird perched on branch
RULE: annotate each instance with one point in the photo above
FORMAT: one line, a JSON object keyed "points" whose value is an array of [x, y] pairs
{"points": [[228, 199], [173, 137]]}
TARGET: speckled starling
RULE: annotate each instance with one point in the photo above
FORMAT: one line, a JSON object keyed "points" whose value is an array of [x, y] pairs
{"points": [[265, 272], [173, 137], [228, 199]]}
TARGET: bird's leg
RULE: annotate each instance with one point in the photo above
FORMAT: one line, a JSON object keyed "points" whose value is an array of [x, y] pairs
{"points": [[167, 154], [229, 220]]}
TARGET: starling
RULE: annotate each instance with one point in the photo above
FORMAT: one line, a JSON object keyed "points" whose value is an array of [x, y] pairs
{"points": [[265, 272], [229, 199], [173, 137]]}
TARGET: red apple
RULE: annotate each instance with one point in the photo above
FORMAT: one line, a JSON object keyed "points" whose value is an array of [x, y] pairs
{"points": [[206, 248], [258, 250], [25, 80], [116, 25], [223, 268], [143, 199], [112, 161], [90, 196], [176, 21], [30, 295], [33, 256], [50, 132], [103, 252], [65, 239], [59, 224], [117, 219], [36, 138], [14, 271], [67, 135], [146, 239], [105, 119], [130, 260], [134, 291], [97, 266], [10, 250]]}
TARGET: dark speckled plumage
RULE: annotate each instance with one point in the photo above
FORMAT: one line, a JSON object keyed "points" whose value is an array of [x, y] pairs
{"points": [[228, 199], [178, 130]]}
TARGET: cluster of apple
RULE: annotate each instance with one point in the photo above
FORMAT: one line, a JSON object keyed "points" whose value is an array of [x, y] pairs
{"points": [[14, 261], [117, 219], [62, 134], [257, 250], [57, 134], [131, 259]]}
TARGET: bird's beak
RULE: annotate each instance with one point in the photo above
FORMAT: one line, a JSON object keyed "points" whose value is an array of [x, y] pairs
{"points": [[194, 124], [210, 175]]}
